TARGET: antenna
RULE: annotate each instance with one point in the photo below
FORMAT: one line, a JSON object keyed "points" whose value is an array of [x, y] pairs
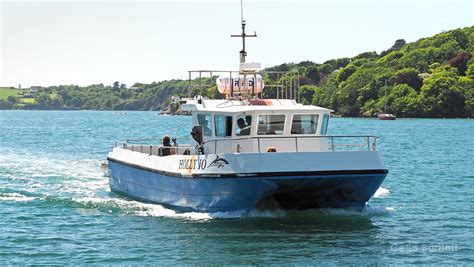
{"points": [[385, 98], [241, 11], [243, 35]]}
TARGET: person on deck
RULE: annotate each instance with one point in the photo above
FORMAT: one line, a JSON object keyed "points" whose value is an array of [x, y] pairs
{"points": [[165, 148]]}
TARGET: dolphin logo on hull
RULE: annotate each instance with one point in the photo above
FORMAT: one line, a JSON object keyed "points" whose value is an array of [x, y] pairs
{"points": [[218, 162]]}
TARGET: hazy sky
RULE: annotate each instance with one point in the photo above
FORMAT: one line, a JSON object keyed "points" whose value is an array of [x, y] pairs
{"points": [[85, 42]]}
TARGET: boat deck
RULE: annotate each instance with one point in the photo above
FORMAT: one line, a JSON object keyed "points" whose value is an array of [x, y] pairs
{"points": [[264, 145]]}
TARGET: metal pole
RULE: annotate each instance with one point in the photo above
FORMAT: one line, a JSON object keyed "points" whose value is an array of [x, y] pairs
{"points": [[243, 34], [231, 84], [241, 11], [385, 98], [291, 88], [190, 85], [299, 92], [200, 88], [210, 80], [253, 84], [278, 95]]}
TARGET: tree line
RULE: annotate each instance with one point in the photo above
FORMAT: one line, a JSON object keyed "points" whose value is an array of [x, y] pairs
{"points": [[432, 77]]}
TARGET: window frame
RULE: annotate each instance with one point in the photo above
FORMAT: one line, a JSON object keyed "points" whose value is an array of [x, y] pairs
{"points": [[324, 124], [236, 117], [316, 121], [271, 114], [210, 123], [226, 125]]}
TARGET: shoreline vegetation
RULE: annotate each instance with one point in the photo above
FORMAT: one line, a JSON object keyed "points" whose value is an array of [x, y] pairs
{"points": [[431, 78]]}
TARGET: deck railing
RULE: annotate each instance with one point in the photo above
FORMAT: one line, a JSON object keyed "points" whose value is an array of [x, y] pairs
{"points": [[332, 143], [151, 146], [279, 84]]}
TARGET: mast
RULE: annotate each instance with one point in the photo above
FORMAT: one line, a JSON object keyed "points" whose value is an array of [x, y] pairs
{"points": [[243, 34], [385, 98]]}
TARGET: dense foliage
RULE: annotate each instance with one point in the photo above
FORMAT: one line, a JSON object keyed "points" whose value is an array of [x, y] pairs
{"points": [[432, 77]]}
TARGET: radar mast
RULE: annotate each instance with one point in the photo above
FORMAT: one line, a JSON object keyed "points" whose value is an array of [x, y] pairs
{"points": [[242, 52]]}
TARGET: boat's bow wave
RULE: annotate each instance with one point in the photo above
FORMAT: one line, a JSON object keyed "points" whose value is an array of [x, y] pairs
{"points": [[382, 193], [132, 207], [136, 208]]}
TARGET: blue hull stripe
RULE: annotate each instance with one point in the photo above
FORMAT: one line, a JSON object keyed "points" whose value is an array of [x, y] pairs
{"points": [[254, 174], [244, 193]]}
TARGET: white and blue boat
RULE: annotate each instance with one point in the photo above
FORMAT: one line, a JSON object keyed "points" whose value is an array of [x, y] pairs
{"points": [[250, 153]]}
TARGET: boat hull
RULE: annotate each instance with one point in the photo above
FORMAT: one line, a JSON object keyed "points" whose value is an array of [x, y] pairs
{"points": [[300, 190], [387, 117]]}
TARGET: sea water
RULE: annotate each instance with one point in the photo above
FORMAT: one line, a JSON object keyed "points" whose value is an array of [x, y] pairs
{"points": [[56, 206]]}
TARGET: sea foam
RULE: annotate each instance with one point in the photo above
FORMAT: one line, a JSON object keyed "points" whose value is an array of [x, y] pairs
{"points": [[15, 197], [382, 193]]}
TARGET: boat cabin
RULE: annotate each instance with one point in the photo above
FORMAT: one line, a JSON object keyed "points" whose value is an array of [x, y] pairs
{"points": [[259, 126]]}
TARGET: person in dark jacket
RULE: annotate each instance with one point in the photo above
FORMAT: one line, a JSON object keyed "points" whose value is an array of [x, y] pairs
{"points": [[165, 148], [244, 129]]}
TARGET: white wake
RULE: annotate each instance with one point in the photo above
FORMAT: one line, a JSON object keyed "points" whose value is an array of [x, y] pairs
{"points": [[382, 193]]}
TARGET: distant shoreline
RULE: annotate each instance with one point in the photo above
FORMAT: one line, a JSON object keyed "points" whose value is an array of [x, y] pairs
{"points": [[178, 114], [432, 77]]}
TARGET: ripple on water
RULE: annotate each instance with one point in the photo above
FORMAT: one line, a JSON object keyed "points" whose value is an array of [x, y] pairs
{"points": [[55, 204]]}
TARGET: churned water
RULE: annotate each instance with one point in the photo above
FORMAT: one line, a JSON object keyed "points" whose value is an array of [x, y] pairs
{"points": [[56, 207]]}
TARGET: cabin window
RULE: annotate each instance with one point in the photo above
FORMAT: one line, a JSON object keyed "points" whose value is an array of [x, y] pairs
{"points": [[324, 126], [205, 121], [243, 125], [304, 124], [270, 124], [223, 125]]}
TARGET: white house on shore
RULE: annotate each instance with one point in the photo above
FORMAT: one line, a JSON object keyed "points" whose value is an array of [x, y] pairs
{"points": [[178, 100], [33, 91]]}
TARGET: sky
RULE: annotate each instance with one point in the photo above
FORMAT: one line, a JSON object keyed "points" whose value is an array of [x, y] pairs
{"points": [[45, 43]]}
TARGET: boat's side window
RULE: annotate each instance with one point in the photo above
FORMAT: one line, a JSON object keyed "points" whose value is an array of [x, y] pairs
{"points": [[304, 124], [205, 121], [223, 125], [324, 126], [270, 124], [244, 123]]}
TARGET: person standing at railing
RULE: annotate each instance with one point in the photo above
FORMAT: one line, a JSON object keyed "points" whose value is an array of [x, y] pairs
{"points": [[165, 148]]}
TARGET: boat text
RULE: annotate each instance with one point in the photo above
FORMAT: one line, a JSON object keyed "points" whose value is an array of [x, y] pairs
{"points": [[192, 164]]}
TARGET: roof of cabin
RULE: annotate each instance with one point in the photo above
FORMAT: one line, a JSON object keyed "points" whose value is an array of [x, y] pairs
{"points": [[222, 105]]}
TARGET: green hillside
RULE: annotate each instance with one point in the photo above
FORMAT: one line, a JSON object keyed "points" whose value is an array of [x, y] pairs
{"points": [[432, 77], [9, 97], [6, 92]]}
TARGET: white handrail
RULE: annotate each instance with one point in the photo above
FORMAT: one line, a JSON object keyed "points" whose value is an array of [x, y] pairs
{"points": [[370, 143]]}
